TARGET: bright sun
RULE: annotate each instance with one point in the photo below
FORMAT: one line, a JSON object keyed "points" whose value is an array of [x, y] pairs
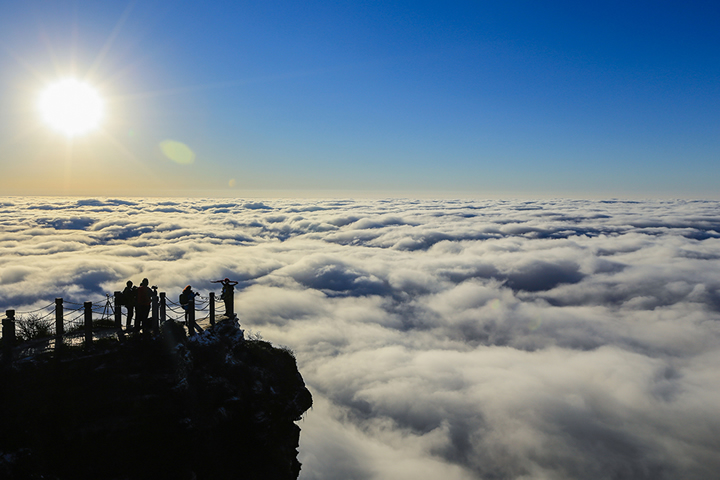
{"points": [[71, 106]]}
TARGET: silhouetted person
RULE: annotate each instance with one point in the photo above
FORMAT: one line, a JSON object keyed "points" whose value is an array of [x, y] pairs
{"points": [[227, 295], [187, 302], [129, 296], [155, 324], [142, 307]]}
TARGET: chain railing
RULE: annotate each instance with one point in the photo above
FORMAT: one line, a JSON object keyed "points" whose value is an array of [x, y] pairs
{"points": [[49, 326]]}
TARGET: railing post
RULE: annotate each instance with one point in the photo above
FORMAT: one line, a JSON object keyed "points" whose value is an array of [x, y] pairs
{"points": [[155, 317], [59, 323], [191, 317], [211, 302], [231, 303], [8, 335], [163, 307], [118, 310], [88, 324]]}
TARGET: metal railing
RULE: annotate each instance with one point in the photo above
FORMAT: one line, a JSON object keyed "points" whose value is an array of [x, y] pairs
{"points": [[49, 326]]}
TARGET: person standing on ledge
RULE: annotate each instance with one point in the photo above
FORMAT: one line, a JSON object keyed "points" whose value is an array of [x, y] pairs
{"points": [[227, 295], [187, 302], [129, 296], [142, 308]]}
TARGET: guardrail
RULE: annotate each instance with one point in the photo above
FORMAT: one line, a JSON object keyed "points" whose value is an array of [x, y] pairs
{"points": [[89, 319]]}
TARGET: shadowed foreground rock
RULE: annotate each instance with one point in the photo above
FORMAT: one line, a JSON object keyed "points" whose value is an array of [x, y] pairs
{"points": [[212, 407]]}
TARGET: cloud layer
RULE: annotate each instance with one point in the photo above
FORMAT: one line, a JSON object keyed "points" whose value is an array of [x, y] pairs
{"points": [[441, 339]]}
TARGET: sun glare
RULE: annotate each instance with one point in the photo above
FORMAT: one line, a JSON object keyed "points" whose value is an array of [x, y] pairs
{"points": [[71, 106]]}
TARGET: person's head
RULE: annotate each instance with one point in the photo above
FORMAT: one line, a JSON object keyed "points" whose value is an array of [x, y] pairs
{"points": [[145, 282], [129, 283], [187, 289]]}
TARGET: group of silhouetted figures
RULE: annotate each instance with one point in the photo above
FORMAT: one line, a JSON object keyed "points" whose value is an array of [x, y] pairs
{"points": [[138, 302]]}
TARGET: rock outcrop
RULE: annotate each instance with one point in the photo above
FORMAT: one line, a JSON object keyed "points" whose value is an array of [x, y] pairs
{"points": [[215, 406]]}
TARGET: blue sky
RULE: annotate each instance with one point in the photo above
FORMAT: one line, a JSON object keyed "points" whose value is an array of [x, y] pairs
{"points": [[477, 99]]}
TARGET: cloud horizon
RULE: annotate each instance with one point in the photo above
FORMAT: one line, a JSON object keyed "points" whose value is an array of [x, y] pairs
{"points": [[546, 339]]}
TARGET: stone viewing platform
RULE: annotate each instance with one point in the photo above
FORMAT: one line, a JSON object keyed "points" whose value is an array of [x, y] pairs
{"points": [[67, 323], [166, 405]]}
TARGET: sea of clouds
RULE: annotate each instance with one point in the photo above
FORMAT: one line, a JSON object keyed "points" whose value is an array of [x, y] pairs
{"points": [[555, 339]]}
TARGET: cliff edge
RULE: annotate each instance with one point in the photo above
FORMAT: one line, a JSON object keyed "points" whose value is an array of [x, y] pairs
{"points": [[214, 406]]}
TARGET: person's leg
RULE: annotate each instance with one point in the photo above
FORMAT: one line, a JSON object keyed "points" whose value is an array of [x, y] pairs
{"points": [[148, 325], [141, 317], [138, 318], [130, 311]]}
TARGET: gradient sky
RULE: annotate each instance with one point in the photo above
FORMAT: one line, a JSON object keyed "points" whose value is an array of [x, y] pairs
{"points": [[516, 98]]}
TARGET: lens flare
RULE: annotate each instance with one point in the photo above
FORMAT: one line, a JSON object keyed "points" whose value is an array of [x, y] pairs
{"points": [[178, 152]]}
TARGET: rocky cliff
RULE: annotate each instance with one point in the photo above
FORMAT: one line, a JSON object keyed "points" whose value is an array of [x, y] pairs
{"points": [[215, 406]]}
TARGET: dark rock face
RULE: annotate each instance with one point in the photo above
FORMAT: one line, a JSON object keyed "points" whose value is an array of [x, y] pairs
{"points": [[215, 406]]}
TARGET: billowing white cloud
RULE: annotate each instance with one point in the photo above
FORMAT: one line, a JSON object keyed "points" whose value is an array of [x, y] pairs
{"points": [[441, 339]]}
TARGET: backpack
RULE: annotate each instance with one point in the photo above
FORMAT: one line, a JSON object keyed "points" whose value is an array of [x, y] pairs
{"points": [[184, 300], [129, 299]]}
